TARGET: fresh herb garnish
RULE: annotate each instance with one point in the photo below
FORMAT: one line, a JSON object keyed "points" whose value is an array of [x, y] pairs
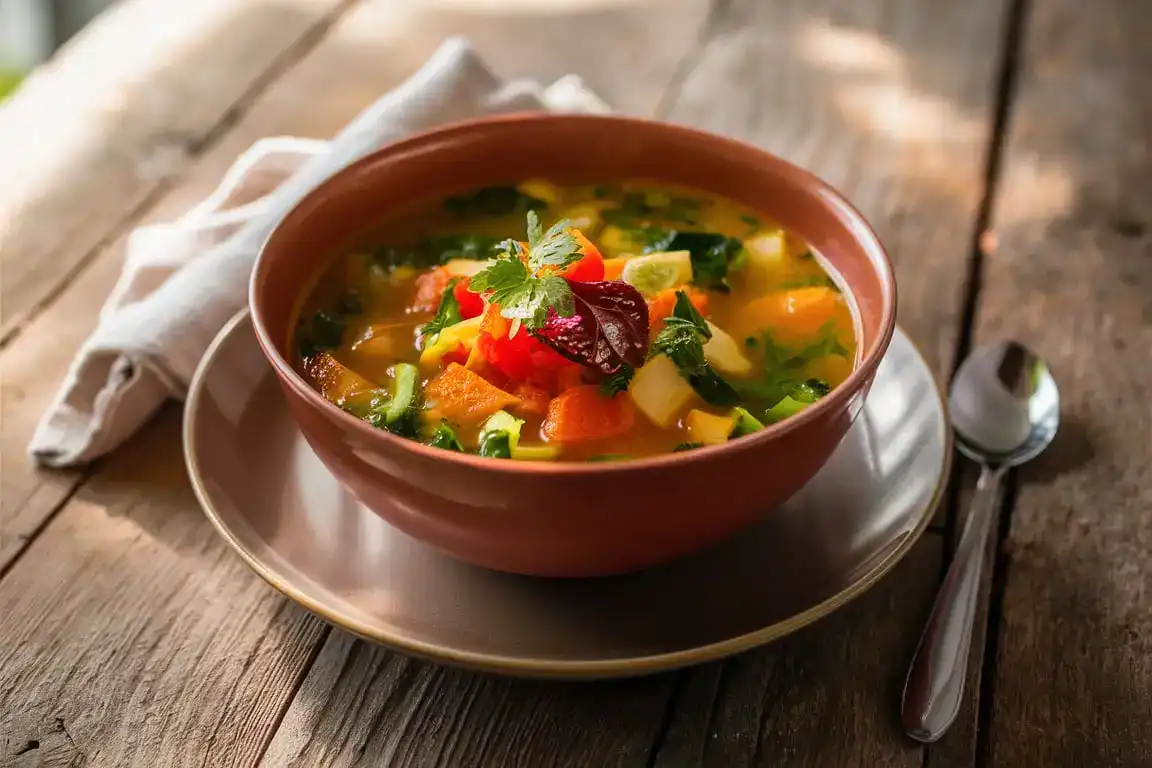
{"points": [[607, 328], [687, 447], [516, 287], [682, 340], [448, 313], [618, 382], [713, 255], [493, 201], [784, 368], [445, 438], [397, 411]]}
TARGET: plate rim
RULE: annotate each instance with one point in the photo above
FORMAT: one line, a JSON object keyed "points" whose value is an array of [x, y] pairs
{"points": [[521, 667]]}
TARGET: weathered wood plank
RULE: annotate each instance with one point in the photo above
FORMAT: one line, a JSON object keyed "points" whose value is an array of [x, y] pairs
{"points": [[132, 636], [826, 696], [362, 705], [1072, 275], [893, 102], [118, 115]]}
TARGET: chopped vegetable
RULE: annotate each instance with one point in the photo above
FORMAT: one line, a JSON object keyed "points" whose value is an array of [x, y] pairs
{"points": [[661, 306], [464, 397], [682, 340], [471, 304], [500, 435], [743, 423], [452, 249], [658, 272], [614, 268], [445, 438], [660, 392], [708, 428], [583, 413], [336, 382], [712, 255], [687, 447], [430, 287], [801, 396], [589, 267], [616, 383], [607, 329], [767, 250], [462, 334], [794, 316], [405, 392], [448, 311], [520, 356], [724, 354]]}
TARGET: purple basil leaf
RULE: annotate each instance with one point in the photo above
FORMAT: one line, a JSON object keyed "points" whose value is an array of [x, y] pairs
{"points": [[608, 329]]}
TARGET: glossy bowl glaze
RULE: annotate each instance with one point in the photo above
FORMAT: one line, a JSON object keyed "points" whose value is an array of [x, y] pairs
{"points": [[569, 519]]}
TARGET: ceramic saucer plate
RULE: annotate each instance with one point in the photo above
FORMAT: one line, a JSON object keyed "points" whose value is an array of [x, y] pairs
{"points": [[295, 525]]}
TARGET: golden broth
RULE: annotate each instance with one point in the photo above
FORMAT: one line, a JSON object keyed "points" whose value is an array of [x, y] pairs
{"points": [[785, 317]]}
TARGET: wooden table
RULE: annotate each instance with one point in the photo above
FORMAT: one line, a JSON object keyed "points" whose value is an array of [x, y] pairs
{"points": [[1002, 149]]}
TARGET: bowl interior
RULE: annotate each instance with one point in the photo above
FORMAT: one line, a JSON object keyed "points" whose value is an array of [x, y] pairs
{"points": [[567, 148]]}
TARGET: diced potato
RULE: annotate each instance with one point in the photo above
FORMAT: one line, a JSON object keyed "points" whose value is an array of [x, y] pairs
{"points": [[657, 272], [335, 381], [541, 190], [467, 267], [464, 332], [767, 250], [724, 354], [707, 428], [659, 391]]}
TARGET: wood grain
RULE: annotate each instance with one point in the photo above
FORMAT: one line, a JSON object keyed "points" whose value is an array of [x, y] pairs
{"points": [[362, 705], [121, 113], [893, 102], [131, 634], [1071, 274]]}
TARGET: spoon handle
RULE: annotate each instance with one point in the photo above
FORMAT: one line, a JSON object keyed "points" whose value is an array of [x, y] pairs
{"points": [[935, 684]]}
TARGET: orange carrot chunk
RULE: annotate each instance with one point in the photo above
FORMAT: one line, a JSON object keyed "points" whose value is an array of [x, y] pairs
{"points": [[584, 413], [464, 397]]}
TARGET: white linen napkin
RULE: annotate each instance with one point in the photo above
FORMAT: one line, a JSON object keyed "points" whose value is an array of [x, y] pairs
{"points": [[183, 280]]}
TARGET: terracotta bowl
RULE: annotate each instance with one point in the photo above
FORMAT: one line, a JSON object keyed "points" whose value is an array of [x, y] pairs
{"points": [[569, 519]]}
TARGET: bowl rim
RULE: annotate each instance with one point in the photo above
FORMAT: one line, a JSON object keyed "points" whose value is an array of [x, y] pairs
{"points": [[829, 197]]}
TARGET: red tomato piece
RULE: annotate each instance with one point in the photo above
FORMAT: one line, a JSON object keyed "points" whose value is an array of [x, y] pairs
{"points": [[429, 288], [590, 267], [471, 304], [521, 357]]}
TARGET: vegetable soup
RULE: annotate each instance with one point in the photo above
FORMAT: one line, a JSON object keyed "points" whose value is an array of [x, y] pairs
{"points": [[584, 323]]}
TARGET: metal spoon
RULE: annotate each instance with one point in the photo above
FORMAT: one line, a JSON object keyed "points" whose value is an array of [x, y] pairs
{"points": [[1005, 410]]}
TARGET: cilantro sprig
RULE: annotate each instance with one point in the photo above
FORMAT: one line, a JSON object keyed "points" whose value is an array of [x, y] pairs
{"points": [[526, 286]]}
